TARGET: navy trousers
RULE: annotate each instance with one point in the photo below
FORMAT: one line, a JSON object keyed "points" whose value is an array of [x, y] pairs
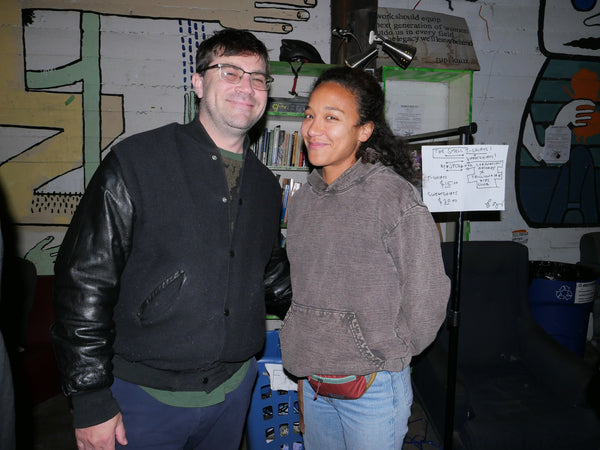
{"points": [[150, 424]]}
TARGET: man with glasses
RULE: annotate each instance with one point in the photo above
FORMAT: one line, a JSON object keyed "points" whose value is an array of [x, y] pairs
{"points": [[160, 280]]}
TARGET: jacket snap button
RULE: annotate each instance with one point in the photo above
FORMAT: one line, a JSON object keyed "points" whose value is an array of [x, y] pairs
{"points": [[205, 380], [214, 157], [224, 199], [226, 312]]}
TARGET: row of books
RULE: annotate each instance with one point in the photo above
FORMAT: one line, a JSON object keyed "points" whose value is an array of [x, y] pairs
{"points": [[281, 148], [289, 186]]}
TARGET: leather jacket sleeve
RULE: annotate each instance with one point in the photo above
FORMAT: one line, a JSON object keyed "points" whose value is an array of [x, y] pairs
{"points": [[278, 285], [87, 272]]}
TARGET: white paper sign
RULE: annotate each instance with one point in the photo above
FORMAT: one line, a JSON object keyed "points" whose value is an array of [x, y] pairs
{"points": [[408, 103], [464, 177], [557, 148], [279, 380]]}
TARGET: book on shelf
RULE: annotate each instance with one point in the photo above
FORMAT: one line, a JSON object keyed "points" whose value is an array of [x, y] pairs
{"points": [[287, 105], [280, 148], [285, 192], [298, 153], [263, 147], [275, 145], [284, 138], [289, 186]]}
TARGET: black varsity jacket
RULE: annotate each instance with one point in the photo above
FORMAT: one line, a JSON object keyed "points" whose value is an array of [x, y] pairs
{"points": [[151, 284]]}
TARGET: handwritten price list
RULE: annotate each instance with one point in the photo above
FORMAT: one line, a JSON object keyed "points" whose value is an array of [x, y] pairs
{"points": [[464, 177]]}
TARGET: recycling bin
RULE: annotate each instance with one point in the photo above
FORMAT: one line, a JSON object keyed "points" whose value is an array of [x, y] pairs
{"points": [[561, 296]]}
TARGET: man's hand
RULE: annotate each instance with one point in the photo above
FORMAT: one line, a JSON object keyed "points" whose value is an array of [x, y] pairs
{"points": [[102, 436]]}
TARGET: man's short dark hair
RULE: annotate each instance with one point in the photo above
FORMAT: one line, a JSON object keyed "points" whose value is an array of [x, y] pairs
{"points": [[230, 42]]}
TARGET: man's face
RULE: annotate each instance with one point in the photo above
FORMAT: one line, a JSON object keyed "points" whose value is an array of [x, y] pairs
{"points": [[228, 109]]}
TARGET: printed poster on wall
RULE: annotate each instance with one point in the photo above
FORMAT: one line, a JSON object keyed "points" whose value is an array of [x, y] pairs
{"points": [[464, 177]]}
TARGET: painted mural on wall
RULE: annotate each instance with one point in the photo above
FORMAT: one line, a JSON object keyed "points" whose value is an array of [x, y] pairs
{"points": [[79, 75], [558, 156]]}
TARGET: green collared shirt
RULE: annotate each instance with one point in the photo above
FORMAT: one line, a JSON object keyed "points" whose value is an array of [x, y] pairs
{"points": [[199, 399]]}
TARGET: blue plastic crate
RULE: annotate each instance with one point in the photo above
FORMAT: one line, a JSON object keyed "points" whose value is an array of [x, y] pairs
{"points": [[274, 418]]}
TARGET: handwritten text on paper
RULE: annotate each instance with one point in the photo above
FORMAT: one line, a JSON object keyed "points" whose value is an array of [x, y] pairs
{"points": [[464, 177]]}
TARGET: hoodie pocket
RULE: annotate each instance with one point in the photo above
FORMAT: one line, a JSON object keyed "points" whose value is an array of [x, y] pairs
{"points": [[162, 300], [326, 341]]}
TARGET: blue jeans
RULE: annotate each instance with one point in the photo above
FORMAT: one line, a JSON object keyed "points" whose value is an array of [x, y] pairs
{"points": [[150, 424], [377, 420]]}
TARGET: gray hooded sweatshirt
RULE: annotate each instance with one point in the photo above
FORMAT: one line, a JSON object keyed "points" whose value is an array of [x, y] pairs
{"points": [[370, 290]]}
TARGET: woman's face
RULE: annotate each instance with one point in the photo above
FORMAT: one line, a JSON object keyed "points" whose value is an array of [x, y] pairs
{"points": [[330, 129]]}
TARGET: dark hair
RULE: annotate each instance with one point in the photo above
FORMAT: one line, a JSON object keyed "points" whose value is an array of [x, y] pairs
{"points": [[230, 42], [383, 145]]}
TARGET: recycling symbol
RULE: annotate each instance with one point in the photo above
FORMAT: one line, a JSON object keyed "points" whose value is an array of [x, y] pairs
{"points": [[564, 293]]}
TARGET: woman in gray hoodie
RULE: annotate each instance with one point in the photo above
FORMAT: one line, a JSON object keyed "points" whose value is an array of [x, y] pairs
{"points": [[369, 285]]}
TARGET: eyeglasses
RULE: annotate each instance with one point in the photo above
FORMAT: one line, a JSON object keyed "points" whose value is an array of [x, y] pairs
{"points": [[234, 74]]}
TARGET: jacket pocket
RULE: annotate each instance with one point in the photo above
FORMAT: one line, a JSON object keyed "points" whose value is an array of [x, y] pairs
{"points": [[162, 299], [317, 340]]}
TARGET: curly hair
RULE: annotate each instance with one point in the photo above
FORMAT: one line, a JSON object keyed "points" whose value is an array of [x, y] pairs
{"points": [[383, 145]]}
